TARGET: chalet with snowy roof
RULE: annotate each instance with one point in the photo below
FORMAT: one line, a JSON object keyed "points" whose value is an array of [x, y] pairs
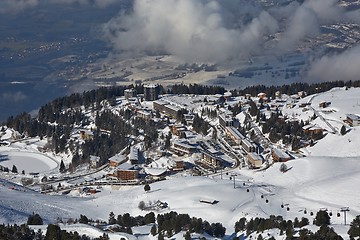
{"points": [[189, 118], [324, 104], [159, 105], [279, 155], [313, 129], [211, 160], [177, 129], [126, 172], [146, 115], [86, 134], [183, 147], [133, 103], [234, 134], [155, 172], [302, 94], [304, 104], [227, 96], [248, 145], [166, 108], [254, 159], [116, 160], [129, 93], [353, 120], [226, 120], [94, 161], [178, 165], [295, 96], [134, 155], [261, 95]]}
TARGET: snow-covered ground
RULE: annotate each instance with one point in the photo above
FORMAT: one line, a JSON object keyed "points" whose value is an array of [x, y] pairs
{"points": [[30, 162], [325, 179], [342, 102], [312, 183]]}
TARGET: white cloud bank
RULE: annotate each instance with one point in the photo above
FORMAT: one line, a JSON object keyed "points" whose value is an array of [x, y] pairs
{"points": [[343, 66], [192, 30], [215, 30]]}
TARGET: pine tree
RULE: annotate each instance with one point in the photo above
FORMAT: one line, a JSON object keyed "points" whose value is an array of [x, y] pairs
{"points": [[53, 232], [153, 230], [167, 141], [354, 230], [62, 166], [141, 205], [112, 219], [343, 130], [150, 218], [283, 168], [160, 236], [187, 236], [34, 219], [14, 169], [322, 218], [83, 219], [147, 188]]}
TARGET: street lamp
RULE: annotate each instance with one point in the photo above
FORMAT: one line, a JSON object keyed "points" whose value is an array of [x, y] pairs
{"points": [[344, 210], [233, 176]]}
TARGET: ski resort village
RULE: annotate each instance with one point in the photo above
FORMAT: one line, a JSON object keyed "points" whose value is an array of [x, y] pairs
{"points": [[187, 162]]}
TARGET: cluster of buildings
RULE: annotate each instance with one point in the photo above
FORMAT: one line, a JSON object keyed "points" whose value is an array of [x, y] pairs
{"points": [[123, 167], [127, 167]]}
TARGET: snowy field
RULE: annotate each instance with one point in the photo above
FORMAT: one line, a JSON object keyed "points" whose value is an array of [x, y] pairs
{"points": [[342, 102], [165, 71], [312, 183], [30, 162]]}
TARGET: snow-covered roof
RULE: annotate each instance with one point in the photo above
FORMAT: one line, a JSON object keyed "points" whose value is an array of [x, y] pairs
{"points": [[184, 144], [227, 94], [150, 85], [255, 156], [125, 166], [212, 151], [241, 117], [353, 117], [134, 153], [235, 133], [280, 153], [155, 171], [117, 158], [86, 131], [312, 127], [94, 158], [248, 143]]}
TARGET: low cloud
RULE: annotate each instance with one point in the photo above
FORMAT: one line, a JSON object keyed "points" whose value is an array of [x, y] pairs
{"points": [[14, 97], [215, 30], [343, 66], [304, 20], [191, 30]]}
